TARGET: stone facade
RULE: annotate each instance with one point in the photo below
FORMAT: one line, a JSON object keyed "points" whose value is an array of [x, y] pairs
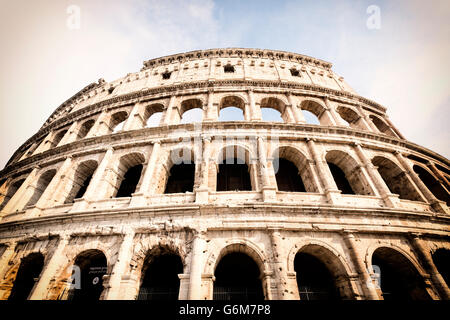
{"points": [[399, 207]]}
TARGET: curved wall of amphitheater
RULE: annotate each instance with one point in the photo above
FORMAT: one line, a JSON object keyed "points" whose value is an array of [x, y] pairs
{"points": [[83, 192]]}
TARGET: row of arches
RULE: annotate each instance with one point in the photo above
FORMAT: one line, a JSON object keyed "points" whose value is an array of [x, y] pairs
{"points": [[230, 108], [239, 275], [293, 172]]}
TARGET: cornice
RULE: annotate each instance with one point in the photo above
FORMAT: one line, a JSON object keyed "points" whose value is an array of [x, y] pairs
{"points": [[235, 53]]}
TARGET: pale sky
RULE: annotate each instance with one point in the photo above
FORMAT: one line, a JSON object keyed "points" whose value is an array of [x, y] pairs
{"points": [[404, 65]]}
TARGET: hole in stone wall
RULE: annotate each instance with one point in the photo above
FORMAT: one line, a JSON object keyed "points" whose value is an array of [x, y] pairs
{"points": [[181, 178], [130, 181], [441, 258], [228, 68], [295, 73], [233, 176], [432, 184], [288, 178], [340, 179], [29, 270], [166, 75]]}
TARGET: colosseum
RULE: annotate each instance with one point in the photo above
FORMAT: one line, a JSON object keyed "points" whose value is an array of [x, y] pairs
{"points": [[224, 174]]}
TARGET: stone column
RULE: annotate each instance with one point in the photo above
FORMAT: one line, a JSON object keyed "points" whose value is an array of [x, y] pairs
{"points": [[368, 125], [167, 116], [41, 288], [71, 134], [441, 178], [269, 192], [202, 192], [196, 266], [329, 186], [22, 195], [120, 267], [436, 204], [135, 120], [46, 143], [334, 118], [285, 292], [101, 125], [297, 113], [427, 262], [367, 284], [255, 112], [389, 199], [7, 255]]}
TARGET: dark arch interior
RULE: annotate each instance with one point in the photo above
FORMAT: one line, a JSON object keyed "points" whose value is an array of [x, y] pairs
{"points": [[441, 259], [29, 270], [288, 178], [11, 191], [314, 280], [340, 179], [399, 280], [233, 176], [432, 184], [130, 181], [85, 128], [237, 278], [181, 178], [161, 280], [93, 267], [83, 188]]}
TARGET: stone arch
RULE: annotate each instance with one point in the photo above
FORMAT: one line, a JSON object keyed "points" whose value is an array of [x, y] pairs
{"points": [[44, 180], [400, 277], [235, 162], [316, 109], [11, 190], [275, 104], [129, 171], [85, 128], [331, 258], [151, 110], [432, 183], [300, 160], [182, 170], [57, 138], [350, 116], [152, 257], [117, 120], [249, 249], [232, 101], [191, 104], [29, 269], [347, 172], [382, 126], [80, 180], [395, 178]]}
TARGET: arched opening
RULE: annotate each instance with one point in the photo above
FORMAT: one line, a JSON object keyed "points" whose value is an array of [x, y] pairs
{"points": [[58, 137], [301, 173], [350, 116], [182, 171], [160, 279], [382, 126], [288, 178], [314, 280], [237, 278], [153, 115], [82, 178], [41, 185], [347, 173], [441, 259], [432, 184], [398, 278], [92, 266], [130, 169], [314, 113], [395, 178], [28, 274], [130, 181], [85, 128], [321, 275], [191, 111], [117, 121], [11, 191], [233, 172], [273, 109], [232, 108]]}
